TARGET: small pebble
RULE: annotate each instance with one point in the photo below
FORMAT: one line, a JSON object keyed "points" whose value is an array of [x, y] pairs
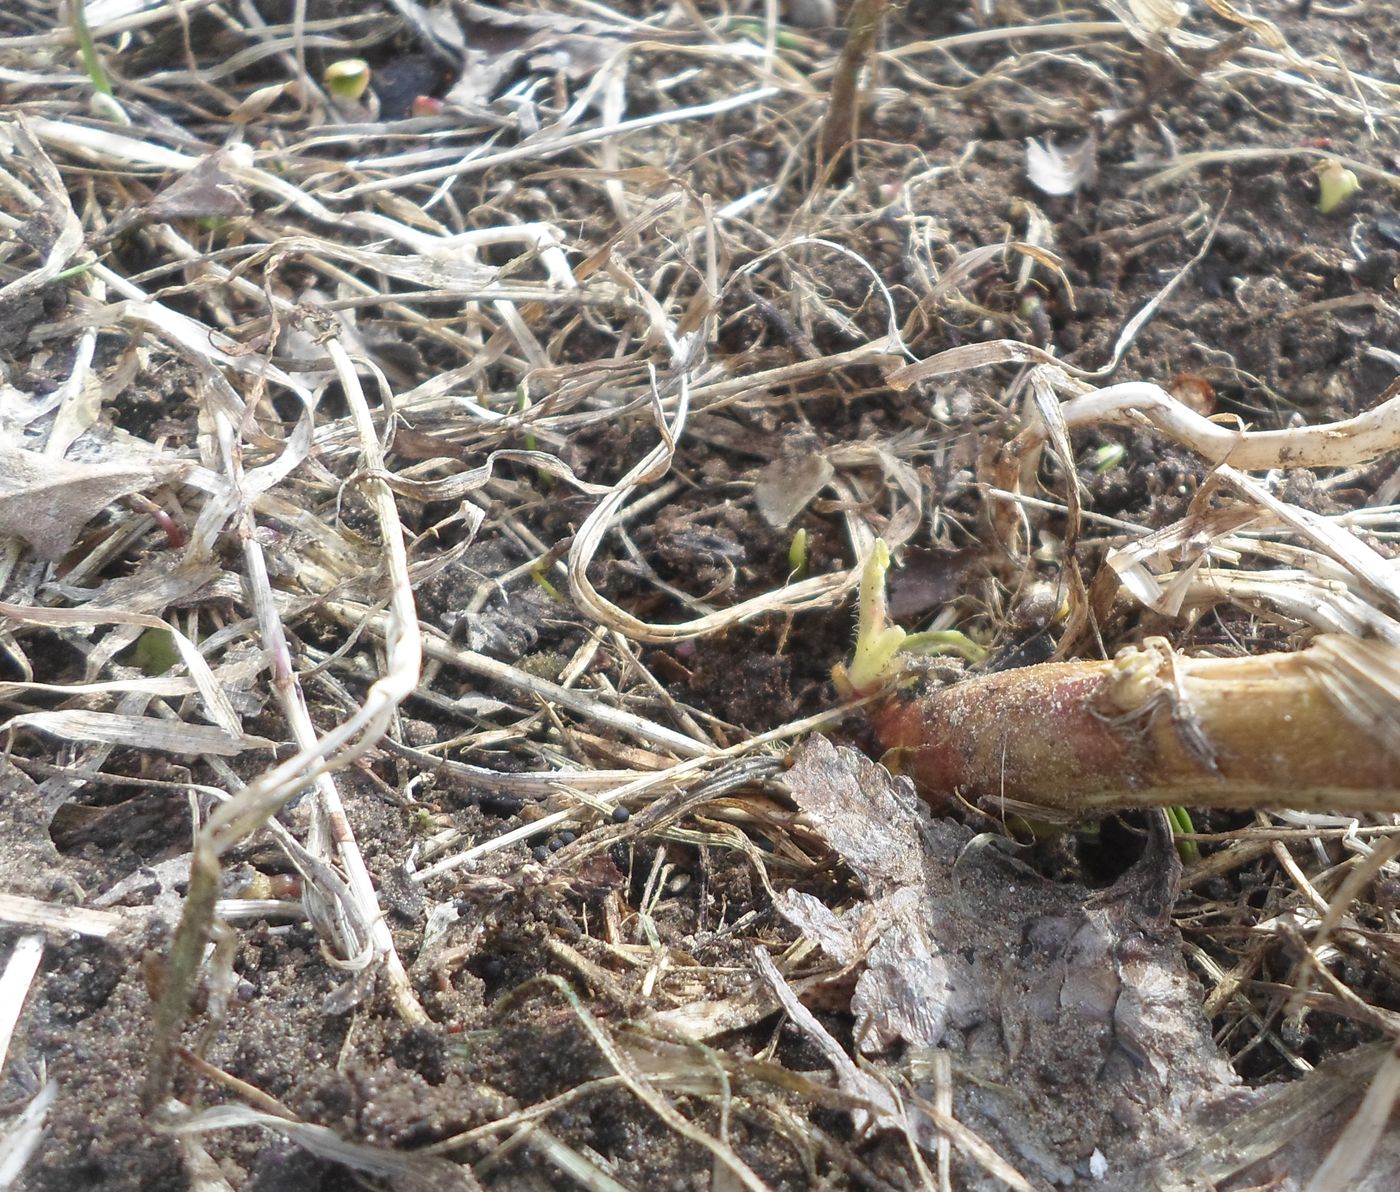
{"points": [[811, 14], [1388, 229]]}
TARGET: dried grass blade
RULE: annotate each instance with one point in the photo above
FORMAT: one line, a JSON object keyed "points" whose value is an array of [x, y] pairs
{"points": [[211, 691], [417, 1171], [137, 732]]}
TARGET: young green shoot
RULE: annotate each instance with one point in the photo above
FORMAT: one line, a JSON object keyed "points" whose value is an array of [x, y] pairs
{"points": [[877, 641], [1335, 185], [347, 79], [542, 582], [797, 556], [88, 48], [104, 101], [1108, 457], [1181, 823], [942, 642]]}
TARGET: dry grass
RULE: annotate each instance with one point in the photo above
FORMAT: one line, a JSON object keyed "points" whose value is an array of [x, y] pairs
{"points": [[303, 359]]}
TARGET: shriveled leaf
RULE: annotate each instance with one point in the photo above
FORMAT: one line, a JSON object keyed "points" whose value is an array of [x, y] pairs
{"points": [[48, 225], [208, 190], [47, 502], [500, 41], [1034, 986], [908, 987], [927, 580], [137, 732], [406, 1170], [1059, 171], [818, 923], [216, 703], [865, 815], [1311, 1125], [787, 485]]}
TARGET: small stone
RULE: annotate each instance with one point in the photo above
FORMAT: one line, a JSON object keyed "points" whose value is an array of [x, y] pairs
{"points": [[811, 14]]}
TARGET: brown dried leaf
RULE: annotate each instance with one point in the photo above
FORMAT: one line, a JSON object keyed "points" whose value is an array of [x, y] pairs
{"points": [[47, 502], [499, 40], [207, 191], [1034, 987], [787, 485]]}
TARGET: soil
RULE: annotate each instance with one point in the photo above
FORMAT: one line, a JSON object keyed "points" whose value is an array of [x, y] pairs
{"points": [[1275, 325]]}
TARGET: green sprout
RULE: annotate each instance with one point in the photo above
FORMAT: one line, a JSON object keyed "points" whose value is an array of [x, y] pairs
{"points": [[347, 79], [522, 403], [154, 652], [1108, 457], [88, 48], [1335, 184], [944, 641], [1181, 822], [74, 271], [104, 101], [797, 556], [756, 31], [877, 641], [532, 443], [537, 574]]}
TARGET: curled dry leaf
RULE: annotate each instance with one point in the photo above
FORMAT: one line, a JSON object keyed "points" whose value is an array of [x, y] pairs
{"points": [[207, 191], [48, 501], [499, 41], [1158, 16]]}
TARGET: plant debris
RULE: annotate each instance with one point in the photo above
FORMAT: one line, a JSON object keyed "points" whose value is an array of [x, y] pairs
{"points": [[1033, 986], [439, 448]]}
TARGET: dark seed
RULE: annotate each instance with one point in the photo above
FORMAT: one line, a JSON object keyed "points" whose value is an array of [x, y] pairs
{"points": [[621, 815]]}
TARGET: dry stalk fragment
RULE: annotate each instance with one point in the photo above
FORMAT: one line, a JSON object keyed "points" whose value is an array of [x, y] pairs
{"points": [[1147, 728], [1314, 730]]}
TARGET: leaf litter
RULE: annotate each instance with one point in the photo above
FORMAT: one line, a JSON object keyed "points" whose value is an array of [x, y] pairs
{"points": [[397, 501], [1036, 986]]}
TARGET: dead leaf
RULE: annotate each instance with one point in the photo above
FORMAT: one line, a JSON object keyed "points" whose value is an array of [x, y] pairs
{"points": [[870, 818], [1037, 989], [787, 485], [137, 732], [1157, 16], [927, 580], [208, 190], [499, 42], [47, 501]]}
